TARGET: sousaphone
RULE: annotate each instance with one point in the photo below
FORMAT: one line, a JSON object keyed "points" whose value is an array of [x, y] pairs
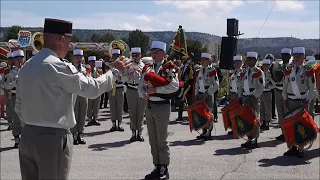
{"points": [[119, 44], [277, 71]]}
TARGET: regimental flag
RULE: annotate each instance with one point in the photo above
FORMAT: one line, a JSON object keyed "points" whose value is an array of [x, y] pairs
{"points": [[244, 121], [199, 115], [179, 43], [299, 128]]}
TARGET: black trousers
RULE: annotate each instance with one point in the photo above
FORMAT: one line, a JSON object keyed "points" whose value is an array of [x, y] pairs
{"points": [[215, 105], [180, 104], [104, 100], [273, 105]]}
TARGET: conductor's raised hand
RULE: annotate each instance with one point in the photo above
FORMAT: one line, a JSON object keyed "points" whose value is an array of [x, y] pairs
{"points": [[122, 63]]}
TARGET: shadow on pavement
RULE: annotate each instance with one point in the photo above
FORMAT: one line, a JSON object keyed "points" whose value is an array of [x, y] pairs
{"points": [[4, 123], [271, 143], [232, 151], [97, 133], [191, 142], [183, 122], [6, 149], [223, 137], [106, 146], [291, 161]]}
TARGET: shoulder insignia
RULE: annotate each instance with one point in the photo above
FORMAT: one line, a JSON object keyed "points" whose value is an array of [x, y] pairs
{"points": [[145, 68], [213, 72], [230, 73], [257, 73], [310, 70], [287, 70], [72, 68]]}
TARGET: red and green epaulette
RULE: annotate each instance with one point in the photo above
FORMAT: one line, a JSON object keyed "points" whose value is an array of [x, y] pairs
{"points": [[257, 72], [288, 70], [145, 68], [231, 72], [310, 69], [212, 72]]}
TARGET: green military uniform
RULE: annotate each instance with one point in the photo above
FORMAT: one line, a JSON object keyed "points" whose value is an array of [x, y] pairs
{"points": [[266, 99], [136, 104], [93, 104], [298, 88], [207, 83], [158, 116], [10, 84], [250, 90], [80, 112]]}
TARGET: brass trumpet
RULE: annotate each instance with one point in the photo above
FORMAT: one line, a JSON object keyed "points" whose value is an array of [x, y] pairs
{"points": [[37, 41]]}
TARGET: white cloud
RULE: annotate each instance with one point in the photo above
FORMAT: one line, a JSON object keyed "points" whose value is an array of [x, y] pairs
{"points": [[144, 18], [285, 5], [169, 21]]}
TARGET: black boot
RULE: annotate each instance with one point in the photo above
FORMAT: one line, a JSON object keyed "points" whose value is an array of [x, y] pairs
{"points": [[114, 127], [155, 173], [263, 126], [207, 136], [16, 141], [75, 139], [139, 137], [202, 136], [119, 128], [230, 133], [163, 172], [133, 137], [95, 122], [292, 152], [80, 139]]}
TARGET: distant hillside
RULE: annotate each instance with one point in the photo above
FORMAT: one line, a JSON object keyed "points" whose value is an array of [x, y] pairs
{"points": [[261, 45]]}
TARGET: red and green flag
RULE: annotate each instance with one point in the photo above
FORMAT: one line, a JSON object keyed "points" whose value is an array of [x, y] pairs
{"points": [[199, 116], [179, 43]]}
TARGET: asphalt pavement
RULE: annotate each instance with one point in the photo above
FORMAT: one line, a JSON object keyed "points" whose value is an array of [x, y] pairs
{"points": [[111, 155]]}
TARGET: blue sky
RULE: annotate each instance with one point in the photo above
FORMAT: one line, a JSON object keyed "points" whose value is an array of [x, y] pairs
{"points": [[297, 18]]}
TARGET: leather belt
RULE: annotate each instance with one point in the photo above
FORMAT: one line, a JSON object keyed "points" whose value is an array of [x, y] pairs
{"points": [[132, 87], [159, 102]]}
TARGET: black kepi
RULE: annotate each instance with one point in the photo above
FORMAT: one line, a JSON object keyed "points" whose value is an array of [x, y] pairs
{"points": [[57, 26]]}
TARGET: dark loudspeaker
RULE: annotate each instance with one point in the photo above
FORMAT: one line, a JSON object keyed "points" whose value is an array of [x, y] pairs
{"points": [[232, 27], [228, 50]]}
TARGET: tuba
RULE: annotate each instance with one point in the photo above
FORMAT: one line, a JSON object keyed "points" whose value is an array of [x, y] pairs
{"points": [[37, 41], [119, 44]]}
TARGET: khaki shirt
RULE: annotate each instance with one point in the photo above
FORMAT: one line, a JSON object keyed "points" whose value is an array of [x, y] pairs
{"points": [[234, 79], [133, 80], [10, 80], [48, 87], [298, 84], [268, 81], [210, 81], [252, 82]]}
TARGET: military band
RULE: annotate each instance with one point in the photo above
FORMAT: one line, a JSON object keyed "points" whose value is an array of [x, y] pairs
{"points": [[67, 93]]}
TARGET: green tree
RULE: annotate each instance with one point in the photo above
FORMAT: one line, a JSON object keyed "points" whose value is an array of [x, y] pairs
{"points": [[12, 33], [137, 38], [95, 37], [75, 39], [196, 47], [107, 38]]}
